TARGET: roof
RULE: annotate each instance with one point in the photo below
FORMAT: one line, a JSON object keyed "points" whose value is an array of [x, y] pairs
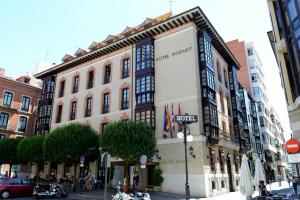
{"points": [[156, 27]]}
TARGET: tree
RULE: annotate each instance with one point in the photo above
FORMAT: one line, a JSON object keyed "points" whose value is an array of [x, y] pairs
{"points": [[8, 152], [157, 177], [128, 141], [69, 142], [30, 149]]}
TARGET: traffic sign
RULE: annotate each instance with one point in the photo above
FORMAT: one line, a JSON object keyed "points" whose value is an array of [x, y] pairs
{"points": [[143, 159], [82, 159], [292, 146], [186, 118]]}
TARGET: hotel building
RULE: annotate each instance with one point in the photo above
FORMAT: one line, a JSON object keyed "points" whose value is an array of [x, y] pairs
{"points": [[179, 60]]}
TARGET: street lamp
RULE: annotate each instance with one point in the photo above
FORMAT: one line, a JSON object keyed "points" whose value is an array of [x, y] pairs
{"points": [[186, 138]]}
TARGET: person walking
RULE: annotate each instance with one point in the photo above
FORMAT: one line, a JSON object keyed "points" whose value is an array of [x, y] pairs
{"points": [[136, 180], [295, 183], [289, 179]]}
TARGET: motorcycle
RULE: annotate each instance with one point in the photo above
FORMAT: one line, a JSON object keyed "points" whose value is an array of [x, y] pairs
{"points": [[140, 195], [135, 196], [56, 190]]}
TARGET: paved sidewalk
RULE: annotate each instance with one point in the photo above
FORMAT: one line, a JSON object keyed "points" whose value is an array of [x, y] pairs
{"points": [[276, 189]]}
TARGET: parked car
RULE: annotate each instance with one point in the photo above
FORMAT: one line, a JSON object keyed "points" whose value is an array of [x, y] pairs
{"points": [[15, 187]]}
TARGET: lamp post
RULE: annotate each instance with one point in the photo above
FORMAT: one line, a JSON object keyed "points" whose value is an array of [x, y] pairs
{"points": [[184, 120]]}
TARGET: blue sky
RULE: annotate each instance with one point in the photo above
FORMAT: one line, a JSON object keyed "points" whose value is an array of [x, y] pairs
{"points": [[31, 28]]}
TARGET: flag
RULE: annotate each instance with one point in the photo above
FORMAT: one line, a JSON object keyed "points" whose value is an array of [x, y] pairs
{"points": [[172, 121], [167, 120], [179, 113]]}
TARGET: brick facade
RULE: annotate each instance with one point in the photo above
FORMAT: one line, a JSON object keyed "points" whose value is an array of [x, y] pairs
{"points": [[18, 89]]}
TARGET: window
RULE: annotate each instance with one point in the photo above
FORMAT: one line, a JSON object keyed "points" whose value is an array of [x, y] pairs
{"points": [[3, 120], [107, 74], [2, 136], [262, 121], [259, 107], [75, 84], [59, 113], [25, 104], [250, 51], [292, 9], [125, 99], [222, 102], [62, 89], [213, 185], [219, 72], [254, 77], [256, 91], [147, 116], [222, 160], [73, 110], [125, 68], [90, 83], [222, 184], [145, 89], [144, 57], [22, 124], [7, 99], [105, 108], [89, 104], [225, 78]]}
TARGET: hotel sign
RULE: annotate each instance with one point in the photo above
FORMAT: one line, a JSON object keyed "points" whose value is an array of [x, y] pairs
{"points": [[174, 53], [186, 119]]}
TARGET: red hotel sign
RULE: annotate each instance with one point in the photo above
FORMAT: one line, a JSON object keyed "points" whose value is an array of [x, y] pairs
{"points": [[292, 146]]}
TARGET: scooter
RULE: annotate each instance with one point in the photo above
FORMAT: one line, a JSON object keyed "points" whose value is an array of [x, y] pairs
{"points": [[120, 195], [56, 190]]}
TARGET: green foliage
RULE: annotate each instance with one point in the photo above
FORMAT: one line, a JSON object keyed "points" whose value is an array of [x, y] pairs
{"points": [[128, 140], [8, 151], [30, 149], [68, 143], [157, 177]]}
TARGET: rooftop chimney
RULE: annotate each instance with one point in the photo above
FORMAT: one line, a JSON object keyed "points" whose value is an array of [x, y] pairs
{"points": [[2, 72]]}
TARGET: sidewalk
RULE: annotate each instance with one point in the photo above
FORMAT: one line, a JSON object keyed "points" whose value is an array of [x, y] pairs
{"points": [[99, 195]]}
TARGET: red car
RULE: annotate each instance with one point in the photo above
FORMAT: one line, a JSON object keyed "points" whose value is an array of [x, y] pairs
{"points": [[15, 187]]}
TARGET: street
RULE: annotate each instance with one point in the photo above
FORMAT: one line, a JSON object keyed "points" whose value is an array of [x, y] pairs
{"points": [[276, 189]]}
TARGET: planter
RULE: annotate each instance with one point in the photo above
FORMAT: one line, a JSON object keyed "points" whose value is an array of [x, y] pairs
{"points": [[157, 188]]}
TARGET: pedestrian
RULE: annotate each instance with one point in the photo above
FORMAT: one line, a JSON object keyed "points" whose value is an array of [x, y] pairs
{"points": [[15, 175], [289, 179], [295, 183], [136, 180], [263, 190], [6, 174], [279, 180]]}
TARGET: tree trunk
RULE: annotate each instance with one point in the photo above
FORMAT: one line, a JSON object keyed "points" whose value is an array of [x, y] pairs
{"points": [[75, 177], [126, 184], [10, 166], [38, 172]]}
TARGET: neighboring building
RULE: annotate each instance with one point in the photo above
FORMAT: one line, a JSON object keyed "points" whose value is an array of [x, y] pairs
{"points": [[18, 106], [179, 60], [251, 76], [285, 41]]}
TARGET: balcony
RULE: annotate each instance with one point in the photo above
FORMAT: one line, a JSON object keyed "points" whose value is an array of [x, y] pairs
{"points": [[213, 138]]}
